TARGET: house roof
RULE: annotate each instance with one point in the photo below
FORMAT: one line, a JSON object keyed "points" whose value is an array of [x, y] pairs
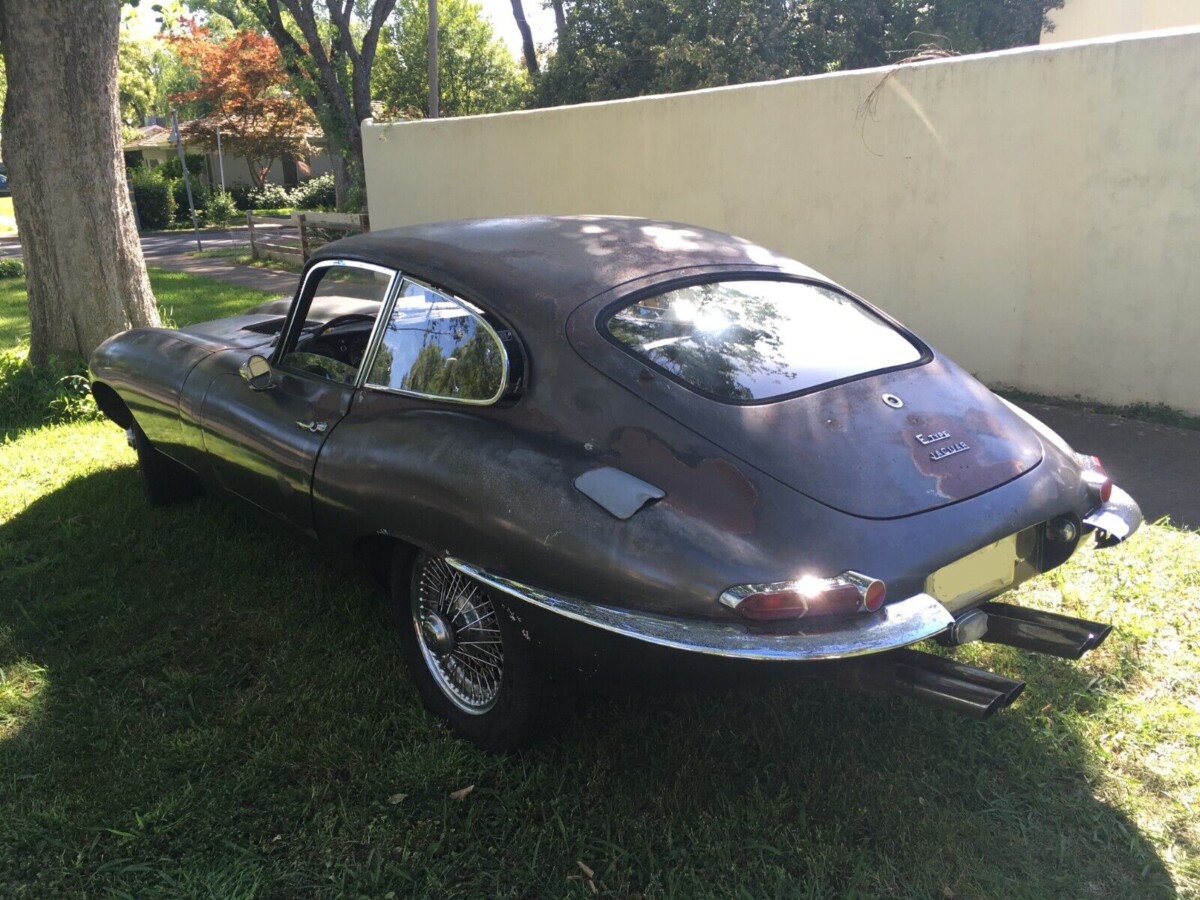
{"points": [[156, 136], [150, 136]]}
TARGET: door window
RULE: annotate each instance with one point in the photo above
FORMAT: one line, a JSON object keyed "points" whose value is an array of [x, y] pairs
{"points": [[333, 327]]}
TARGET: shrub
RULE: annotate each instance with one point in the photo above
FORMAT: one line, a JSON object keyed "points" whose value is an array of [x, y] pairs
{"points": [[199, 197], [271, 196], [153, 197], [56, 392], [316, 193], [220, 209], [241, 196], [195, 164], [11, 268]]}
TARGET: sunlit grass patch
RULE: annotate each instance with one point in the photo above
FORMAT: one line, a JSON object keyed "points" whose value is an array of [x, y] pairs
{"points": [[21, 684]]}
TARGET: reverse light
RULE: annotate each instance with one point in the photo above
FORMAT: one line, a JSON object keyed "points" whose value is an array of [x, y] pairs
{"points": [[809, 597]]}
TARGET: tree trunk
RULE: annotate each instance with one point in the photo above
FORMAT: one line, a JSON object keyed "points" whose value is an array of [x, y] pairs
{"points": [[84, 270], [531, 63], [560, 21]]}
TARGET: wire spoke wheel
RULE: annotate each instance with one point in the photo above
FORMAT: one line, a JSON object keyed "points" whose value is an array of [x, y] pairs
{"points": [[459, 636]]}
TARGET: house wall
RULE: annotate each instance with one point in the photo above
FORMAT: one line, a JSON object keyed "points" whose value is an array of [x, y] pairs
{"points": [[238, 172], [236, 169], [1084, 19], [1034, 213]]}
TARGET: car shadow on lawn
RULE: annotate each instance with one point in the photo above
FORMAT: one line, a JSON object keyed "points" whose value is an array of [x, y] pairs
{"points": [[218, 710]]}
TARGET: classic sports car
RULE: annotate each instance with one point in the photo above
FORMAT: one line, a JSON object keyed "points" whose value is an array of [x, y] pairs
{"points": [[565, 441]]}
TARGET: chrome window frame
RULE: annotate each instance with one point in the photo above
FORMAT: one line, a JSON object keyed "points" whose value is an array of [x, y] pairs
{"points": [[295, 323], [504, 388]]}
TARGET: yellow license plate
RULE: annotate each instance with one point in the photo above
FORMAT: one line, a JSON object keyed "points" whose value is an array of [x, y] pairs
{"points": [[985, 572]]}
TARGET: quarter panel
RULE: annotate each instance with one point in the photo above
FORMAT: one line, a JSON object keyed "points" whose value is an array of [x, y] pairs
{"points": [[487, 488]]}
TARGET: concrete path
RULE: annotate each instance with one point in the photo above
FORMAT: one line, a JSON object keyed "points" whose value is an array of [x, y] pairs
{"points": [[1158, 465], [171, 250]]}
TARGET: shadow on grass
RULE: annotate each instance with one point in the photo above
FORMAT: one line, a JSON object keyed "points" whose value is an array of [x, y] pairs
{"points": [[224, 713]]}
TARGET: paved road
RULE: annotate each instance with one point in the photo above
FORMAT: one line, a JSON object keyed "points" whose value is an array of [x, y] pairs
{"points": [[1157, 464], [171, 249]]}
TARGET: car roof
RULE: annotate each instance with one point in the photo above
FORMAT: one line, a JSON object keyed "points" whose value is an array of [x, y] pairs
{"points": [[546, 266]]}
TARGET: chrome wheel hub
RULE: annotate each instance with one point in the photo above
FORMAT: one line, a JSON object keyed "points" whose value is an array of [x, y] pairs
{"points": [[459, 636], [436, 634]]}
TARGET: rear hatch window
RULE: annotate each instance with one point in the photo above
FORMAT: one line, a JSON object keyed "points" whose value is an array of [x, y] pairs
{"points": [[757, 340]]}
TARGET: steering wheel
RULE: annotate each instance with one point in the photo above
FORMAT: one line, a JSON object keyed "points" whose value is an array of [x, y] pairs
{"points": [[339, 320]]}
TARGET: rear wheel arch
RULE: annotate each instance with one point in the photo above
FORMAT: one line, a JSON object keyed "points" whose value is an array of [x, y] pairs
{"points": [[380, 554]]}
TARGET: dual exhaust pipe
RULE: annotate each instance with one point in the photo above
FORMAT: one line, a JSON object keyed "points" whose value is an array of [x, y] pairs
{"points": [[965, 689]]}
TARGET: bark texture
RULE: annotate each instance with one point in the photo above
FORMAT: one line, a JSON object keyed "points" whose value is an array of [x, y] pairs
{"points": [[62, 142]]}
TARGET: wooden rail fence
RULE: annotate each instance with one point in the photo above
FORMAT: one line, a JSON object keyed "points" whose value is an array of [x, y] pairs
{"points": [[296, 237]]}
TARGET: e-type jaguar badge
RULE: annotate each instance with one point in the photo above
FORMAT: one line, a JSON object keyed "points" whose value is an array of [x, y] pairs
{"points": [[942, 452]]}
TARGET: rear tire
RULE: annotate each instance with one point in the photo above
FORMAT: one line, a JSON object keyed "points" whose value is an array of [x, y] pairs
{"points": [[472, 663], [164, 481]]}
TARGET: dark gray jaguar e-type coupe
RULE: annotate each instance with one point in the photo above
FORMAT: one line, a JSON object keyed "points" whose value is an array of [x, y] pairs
{"points": [[566, 441]]}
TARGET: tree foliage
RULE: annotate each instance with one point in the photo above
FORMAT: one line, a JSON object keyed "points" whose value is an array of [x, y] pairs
{"points": [[135, 80], [329, 52], [242, 86], [621, 48], [476, 72]]}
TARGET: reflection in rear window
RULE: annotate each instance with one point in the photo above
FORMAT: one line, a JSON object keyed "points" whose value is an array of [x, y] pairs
{"points": [[754, 340]]}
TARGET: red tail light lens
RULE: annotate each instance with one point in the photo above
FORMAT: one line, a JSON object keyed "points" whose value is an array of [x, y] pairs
{"points": [[1095, 477], [810, 597]]}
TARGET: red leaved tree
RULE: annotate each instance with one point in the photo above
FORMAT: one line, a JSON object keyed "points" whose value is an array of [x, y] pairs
{"points": [[242, 84]]}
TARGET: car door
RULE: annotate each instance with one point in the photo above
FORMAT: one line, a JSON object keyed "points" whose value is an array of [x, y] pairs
{"points": [[262, 444]]}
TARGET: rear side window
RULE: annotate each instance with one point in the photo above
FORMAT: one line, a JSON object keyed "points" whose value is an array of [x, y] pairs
{"points": [[433, 346], [745, 341]]}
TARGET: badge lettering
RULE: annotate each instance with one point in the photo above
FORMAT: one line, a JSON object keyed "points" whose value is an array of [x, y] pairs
{"points": [[933, 438], [949, 450]]}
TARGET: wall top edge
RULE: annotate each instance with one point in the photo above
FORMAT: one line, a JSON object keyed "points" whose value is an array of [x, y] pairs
{"points": [[1163, 36]]}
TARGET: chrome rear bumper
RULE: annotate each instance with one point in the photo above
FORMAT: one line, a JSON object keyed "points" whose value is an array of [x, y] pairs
{"points": [[896, 625], [1115, 520]]}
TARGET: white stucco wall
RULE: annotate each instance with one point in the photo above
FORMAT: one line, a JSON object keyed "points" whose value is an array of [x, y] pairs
{"points": [[1085, 19], [1033, 213]]}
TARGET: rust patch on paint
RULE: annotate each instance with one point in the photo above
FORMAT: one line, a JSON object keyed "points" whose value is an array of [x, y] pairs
{"points": [[713, 489]]}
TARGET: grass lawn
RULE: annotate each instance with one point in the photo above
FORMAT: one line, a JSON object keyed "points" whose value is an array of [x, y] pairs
{"points": [[193, 703], [242, 256], [8, 221]]}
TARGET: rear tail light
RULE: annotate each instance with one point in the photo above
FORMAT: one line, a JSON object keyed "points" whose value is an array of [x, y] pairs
{"points": [[1095, 477], [810, 597]]}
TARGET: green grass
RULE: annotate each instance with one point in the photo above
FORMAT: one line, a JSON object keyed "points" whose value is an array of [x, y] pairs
{"points": [[14, 313], [193, 703], [29, 398], [8, 220], [241, 256]]}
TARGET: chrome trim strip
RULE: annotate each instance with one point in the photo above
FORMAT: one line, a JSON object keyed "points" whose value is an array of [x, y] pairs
{"points": [[1118, 518], [896, 625]]}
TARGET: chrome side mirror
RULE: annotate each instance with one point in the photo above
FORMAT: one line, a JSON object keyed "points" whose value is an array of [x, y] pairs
{"points": [[257, 372]]}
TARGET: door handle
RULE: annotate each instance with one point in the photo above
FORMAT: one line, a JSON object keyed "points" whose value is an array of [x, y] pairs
{"points": [[314, 427]]}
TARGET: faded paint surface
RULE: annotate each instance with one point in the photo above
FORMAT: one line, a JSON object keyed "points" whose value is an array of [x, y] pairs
{"points": [[1035, 213]]}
